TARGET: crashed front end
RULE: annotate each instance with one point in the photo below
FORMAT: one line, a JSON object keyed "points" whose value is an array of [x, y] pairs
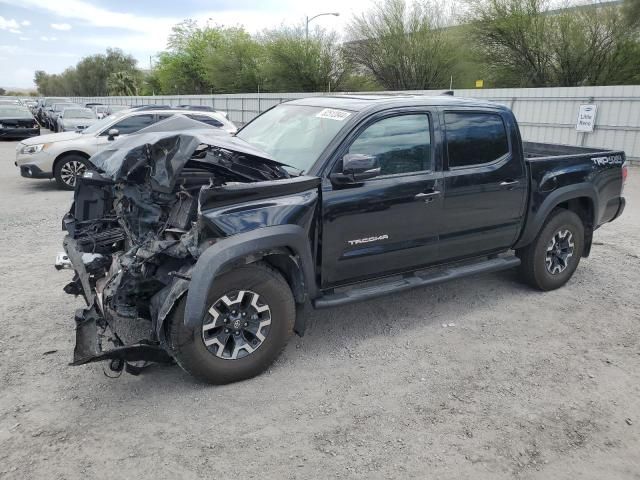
{"points": [[135, 232]]}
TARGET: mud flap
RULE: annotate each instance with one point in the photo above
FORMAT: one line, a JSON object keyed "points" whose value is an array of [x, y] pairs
{"points": [[88, 348]]}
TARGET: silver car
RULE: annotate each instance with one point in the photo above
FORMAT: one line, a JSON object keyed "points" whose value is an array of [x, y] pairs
{"points": [[74, 119], [64, 156]]}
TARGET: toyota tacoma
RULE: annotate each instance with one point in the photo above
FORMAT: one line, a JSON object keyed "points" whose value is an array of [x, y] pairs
{"points": [[204, 248]]}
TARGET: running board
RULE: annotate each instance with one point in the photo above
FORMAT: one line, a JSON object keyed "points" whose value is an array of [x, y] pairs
{"points": [[416, 280]]}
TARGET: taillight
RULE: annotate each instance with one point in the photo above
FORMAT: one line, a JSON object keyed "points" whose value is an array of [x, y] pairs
{"points": [[625, 173]]}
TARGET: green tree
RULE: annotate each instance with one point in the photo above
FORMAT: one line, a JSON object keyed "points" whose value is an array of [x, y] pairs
{"points": [[234, 64], [631, 11], [525, 43], [122, 84], [294, 63], [181, 69], [88, 77], [404, 47], [2, 91]]}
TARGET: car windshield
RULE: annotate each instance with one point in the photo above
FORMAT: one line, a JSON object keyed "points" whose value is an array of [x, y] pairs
{"points": [[295, 135], [78, 113], [119, 108], [14, 110]]}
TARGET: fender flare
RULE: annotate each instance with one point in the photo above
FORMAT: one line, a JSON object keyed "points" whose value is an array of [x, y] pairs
{"points": [[226, 251], [535, 220]]}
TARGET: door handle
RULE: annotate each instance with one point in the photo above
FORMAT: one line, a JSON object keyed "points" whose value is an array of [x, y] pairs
{"points": [[509, 183], [427, 196]]}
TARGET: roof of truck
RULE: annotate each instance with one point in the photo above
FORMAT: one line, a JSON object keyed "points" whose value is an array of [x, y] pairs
{"points": [[365, 101]]}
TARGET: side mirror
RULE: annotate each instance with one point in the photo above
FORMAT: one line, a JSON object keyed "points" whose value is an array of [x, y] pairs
{"points": [[356, 168], [112, 133]]}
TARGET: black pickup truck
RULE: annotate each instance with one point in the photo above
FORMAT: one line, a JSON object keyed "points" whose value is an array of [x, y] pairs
{"points": [[204, 248]]}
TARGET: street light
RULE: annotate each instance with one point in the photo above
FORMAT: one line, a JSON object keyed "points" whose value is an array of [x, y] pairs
{"points": [[335, 14]]}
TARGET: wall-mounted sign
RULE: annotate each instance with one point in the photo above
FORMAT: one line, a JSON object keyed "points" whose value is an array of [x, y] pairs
{"points": [[586, 118]]}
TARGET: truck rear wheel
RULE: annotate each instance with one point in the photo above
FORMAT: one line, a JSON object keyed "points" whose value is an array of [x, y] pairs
{"points": [[249, 318], [550, 260]]}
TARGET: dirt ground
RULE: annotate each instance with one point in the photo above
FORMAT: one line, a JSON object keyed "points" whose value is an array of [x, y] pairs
{"points": [[482, 378]]}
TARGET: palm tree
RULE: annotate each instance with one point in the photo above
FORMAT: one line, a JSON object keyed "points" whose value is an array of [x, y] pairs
{"points": [[122, 84]]}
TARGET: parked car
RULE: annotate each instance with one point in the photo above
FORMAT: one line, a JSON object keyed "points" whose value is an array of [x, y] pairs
{"points": [[54, 112], [44, 105], [10, 101], [208, 243], [73, 119], [17, 121], [64, 156]]}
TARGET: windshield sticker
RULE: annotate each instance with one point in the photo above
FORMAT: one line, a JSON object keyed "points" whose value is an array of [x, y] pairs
{"points": [[332, 114]]}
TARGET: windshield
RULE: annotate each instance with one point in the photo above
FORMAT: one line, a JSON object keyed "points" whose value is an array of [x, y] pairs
{"points": [[294, 134], [17, 111], [78, 113]]}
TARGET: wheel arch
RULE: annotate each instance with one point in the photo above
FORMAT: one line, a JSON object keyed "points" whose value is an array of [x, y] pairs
{"points": [[284, 247], [63, 155], [582, 199]]}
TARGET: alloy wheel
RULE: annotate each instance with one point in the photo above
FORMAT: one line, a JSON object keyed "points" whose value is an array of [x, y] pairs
{"points": [[559, 251], [71, 170], [236, 325]]}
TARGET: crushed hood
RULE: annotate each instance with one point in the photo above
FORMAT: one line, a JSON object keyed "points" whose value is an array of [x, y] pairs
{"points": [[163, 150]]}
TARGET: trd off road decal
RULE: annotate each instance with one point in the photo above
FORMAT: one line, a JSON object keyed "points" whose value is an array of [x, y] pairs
{"points": [[609, 160]]}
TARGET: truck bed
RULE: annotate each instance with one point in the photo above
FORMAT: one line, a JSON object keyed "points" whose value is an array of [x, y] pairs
{"points": [[535, 150]]}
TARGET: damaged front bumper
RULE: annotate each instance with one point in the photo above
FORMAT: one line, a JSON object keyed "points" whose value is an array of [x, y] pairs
{"points": [[92, 330], [100, 337]]}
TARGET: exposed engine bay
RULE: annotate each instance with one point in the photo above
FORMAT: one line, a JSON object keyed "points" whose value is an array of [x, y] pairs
{"points": [[135, 232]]}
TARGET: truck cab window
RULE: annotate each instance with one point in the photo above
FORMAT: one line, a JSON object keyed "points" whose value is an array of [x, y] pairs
{"points": [[401, 143], [475, 138]]}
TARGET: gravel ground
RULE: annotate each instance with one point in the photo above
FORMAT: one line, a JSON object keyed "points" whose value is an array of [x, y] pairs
{"points": [[482, 378]]}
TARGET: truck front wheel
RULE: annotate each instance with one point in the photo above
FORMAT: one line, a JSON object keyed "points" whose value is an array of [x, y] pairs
{"points": [[550, 260], [249, 318]]}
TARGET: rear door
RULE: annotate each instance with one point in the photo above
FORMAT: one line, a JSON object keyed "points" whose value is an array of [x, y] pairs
{"points": [[389, 223], [484, 183]]}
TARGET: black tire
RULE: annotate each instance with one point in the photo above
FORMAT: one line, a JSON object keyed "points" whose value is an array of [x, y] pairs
{"points": [[538, 263], [66, 170], [188, 344]]}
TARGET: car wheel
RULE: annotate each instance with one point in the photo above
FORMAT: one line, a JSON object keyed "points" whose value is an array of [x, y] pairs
{"points": [[68, 169], [552, 258], [249, 318]]}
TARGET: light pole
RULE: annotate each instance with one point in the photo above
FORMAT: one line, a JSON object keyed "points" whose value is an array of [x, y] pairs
{"points": [[335, 14]]}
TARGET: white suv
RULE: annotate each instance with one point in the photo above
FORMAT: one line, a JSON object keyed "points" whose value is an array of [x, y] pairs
{"points": [[64, 156]]}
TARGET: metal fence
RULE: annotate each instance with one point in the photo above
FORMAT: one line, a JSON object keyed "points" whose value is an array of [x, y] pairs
{"points": [[544, 114]]}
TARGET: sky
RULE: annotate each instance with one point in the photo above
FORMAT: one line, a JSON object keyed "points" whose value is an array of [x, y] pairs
{"points": [[52, 35]]}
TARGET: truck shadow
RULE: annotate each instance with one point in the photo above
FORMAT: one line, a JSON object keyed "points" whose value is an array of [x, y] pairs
{"points": [[342, 328]]}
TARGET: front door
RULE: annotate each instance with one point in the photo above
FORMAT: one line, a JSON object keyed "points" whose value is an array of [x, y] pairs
{"points": [[390, 223]]}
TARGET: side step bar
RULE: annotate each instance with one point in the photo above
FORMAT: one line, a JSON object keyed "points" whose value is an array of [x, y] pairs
{"points": [[416, 280]]}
